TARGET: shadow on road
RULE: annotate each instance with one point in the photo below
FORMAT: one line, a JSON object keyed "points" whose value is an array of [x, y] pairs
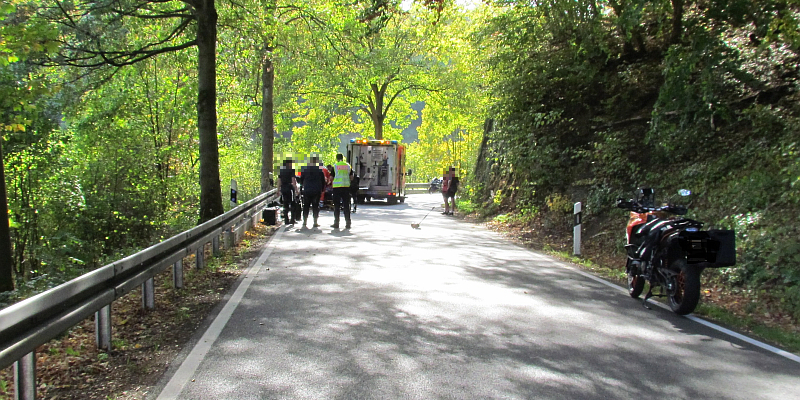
{"points": [[452, 311]]}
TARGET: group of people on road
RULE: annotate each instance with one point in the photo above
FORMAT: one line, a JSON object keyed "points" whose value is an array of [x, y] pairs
{"points": [[314, 178]]}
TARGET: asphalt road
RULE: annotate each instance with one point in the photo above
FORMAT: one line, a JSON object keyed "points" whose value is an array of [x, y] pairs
{"points": [[453, 311]]}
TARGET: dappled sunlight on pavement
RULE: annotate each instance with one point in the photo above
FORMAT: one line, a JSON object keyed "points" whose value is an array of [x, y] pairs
{"points": [[450, 310]]}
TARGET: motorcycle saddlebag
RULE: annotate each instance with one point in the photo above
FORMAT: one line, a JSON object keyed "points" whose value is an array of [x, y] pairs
{"points": [[726, 253], [716, 248]]}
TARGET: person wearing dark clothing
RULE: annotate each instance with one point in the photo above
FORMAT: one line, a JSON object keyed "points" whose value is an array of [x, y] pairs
{"points": [[288, 186], [354, 190], [449, 189], [313, 184]]}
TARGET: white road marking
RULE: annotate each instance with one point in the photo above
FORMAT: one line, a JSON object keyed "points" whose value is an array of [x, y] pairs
{"points": [[192, 361], [189, 366], [754, 342]]}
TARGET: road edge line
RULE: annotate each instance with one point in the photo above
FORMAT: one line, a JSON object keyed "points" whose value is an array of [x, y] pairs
{"points": [[190, 364], [746, 339]]}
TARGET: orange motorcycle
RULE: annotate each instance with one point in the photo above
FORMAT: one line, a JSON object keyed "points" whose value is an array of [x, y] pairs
{"points": [[670, 252]]}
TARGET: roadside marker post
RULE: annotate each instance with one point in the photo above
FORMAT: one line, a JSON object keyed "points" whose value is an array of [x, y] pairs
{"points": [[234, 192], [576, 230]]}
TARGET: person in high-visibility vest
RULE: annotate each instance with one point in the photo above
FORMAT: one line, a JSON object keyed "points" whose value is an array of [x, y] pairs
{"points": [[341, 191]]}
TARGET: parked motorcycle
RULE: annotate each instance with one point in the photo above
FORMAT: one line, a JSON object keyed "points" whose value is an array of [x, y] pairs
{"points": [[670, 251], [435, 185]]}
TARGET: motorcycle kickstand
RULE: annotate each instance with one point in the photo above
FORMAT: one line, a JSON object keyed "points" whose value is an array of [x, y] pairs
{"points": [[647, 296]]}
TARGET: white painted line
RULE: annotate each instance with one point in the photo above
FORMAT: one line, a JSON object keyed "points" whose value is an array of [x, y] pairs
{"points": [[192, 361], [701, 321], [744, 338]]}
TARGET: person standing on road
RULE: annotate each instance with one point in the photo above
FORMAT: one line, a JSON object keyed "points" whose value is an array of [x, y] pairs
{"points": [[327, 192], [288, 186], [354, 179], [449, 189], [313, 184], [341, 191]]}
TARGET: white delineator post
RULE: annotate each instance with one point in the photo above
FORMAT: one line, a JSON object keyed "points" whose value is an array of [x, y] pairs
{"points": [[234, 193], [576, 230]]}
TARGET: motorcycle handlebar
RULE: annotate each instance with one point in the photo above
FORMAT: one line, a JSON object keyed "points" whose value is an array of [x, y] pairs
{"points": [[632, 205]]}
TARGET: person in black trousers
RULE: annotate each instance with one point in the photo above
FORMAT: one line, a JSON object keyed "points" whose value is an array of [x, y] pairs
{"points": [[313, 184], [341, 191], [288, 186], [354, 189]]}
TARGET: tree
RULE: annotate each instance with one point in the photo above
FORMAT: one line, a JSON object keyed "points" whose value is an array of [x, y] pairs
{"points": [[18, 40], [6, 262], [375, 57], [262, 29], [452, 120], [102, 34]]}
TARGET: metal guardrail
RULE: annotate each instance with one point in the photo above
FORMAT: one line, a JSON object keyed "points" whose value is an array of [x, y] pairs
{"points": [[412, 188], [26, 325]]}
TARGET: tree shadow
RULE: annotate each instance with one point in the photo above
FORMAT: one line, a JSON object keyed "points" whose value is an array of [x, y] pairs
{"points": [[456, 312]]}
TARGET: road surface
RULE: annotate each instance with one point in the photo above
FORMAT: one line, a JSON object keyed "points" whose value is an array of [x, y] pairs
{"points": [[452, 311]]}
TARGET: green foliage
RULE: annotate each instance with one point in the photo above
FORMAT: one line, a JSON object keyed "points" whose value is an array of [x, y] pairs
{"points": [[538, 105], [503, 218], [592, 103], [465, 205]]}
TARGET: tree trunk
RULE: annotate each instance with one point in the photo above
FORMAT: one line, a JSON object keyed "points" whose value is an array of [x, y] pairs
{"points": [[376, 113], [377, 123], [210, 189], [6, 277], [677, 22], [267, 119]]}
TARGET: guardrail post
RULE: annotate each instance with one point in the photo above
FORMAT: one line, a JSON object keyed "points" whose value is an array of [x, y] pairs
{"points": [[228, 238], [215, 246], [177, 274], [240, 230], [198, 256], [102, 328], [148, 295], [25, 377]]}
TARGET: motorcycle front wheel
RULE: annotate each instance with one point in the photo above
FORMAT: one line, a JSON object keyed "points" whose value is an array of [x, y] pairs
{"points": [[635, 281], [685, 288]]}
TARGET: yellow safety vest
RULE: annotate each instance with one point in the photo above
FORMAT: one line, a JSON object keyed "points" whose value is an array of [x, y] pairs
{"points": [[342, 178]]}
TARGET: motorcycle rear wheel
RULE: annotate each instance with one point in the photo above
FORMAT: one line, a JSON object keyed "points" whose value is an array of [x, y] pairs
{"points": [[685, 292], [635, 281]]}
